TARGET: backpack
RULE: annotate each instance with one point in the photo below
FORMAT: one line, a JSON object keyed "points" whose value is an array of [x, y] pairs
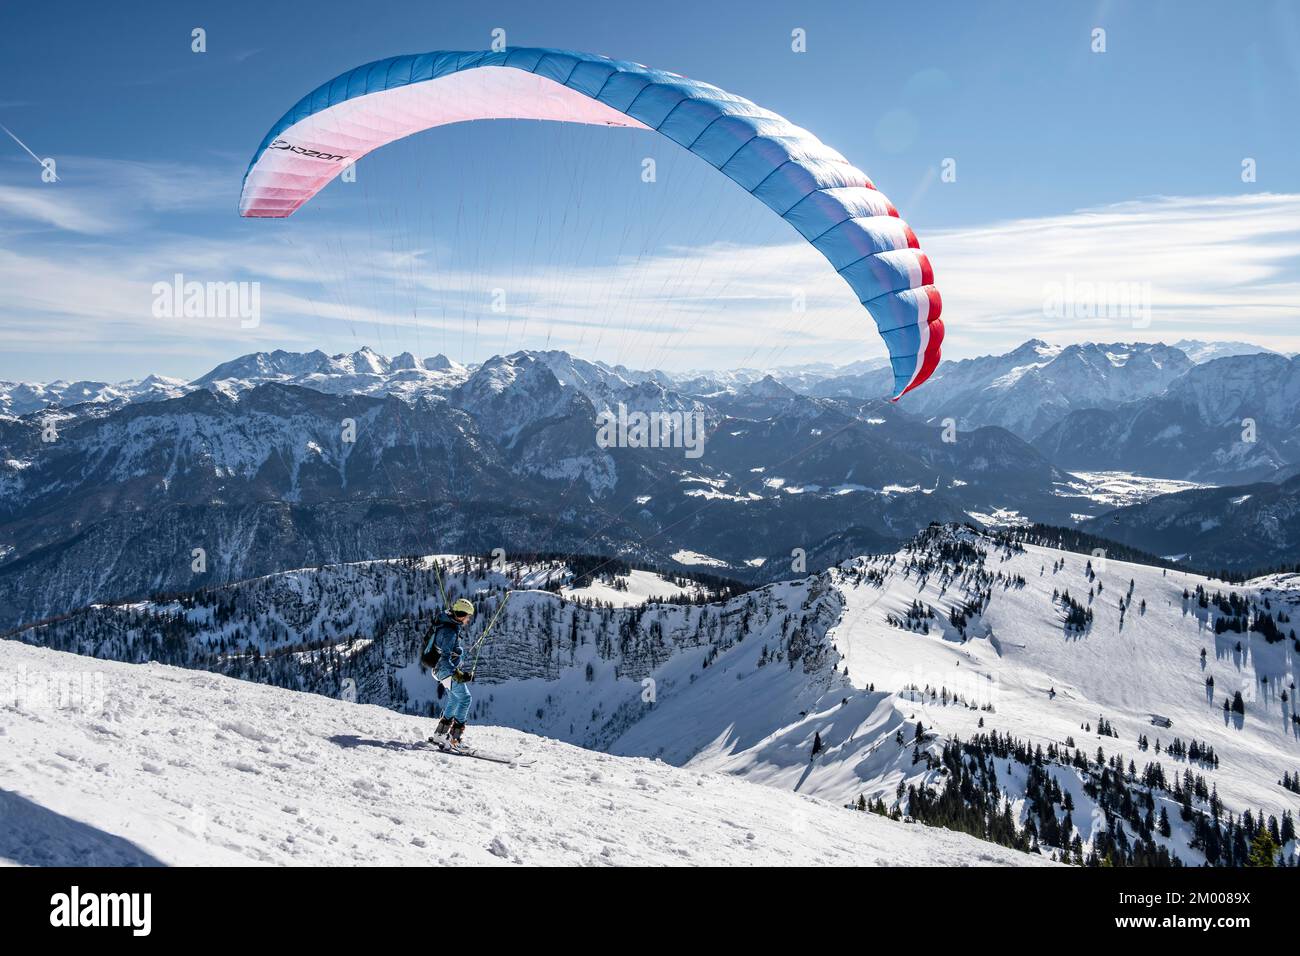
{"points": [[429, 654]]}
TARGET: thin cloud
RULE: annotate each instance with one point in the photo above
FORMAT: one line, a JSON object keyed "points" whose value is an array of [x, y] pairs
{"points": [[95, 196], [1217, 267], [1228, 266], [52, 207]]}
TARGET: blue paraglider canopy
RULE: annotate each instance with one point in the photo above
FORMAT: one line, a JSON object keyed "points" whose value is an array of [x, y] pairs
{"points": [[827, 199]]}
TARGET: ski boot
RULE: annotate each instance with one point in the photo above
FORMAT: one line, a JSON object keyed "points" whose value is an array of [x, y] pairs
{"points": [[441, 731], [457, 728]]}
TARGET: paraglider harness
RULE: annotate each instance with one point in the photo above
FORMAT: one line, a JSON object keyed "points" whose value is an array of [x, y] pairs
{"points": [[430, 655]]}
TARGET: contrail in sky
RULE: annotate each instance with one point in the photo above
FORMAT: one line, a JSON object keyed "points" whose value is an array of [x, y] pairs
{"points": [[24, 146]]}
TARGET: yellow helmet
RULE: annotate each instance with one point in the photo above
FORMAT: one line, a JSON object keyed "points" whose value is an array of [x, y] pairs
{"points": [[462, 606]]}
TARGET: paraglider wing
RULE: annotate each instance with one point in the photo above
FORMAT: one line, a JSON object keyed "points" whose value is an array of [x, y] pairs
{"points": [[821, 194]]}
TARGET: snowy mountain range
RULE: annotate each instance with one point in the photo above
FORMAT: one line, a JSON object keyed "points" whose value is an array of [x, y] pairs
{"points": [[1232, 420], [280, 460], [1005, 390], [23, 398], [1036, 385], [1070, 706]]}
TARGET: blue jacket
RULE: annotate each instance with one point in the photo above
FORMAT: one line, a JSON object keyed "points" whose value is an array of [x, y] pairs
{"points": [[449, 637]]}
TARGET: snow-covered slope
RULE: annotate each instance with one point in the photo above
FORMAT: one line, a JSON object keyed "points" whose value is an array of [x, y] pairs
{"points": [[852, 676], [1020, 671], [817, 685], [182, 767], [635, 587]]}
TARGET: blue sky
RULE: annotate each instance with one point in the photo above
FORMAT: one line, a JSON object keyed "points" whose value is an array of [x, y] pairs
{"points": [[1120, 168]]}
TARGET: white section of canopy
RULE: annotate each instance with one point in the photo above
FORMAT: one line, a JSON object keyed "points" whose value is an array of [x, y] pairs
{"points": [[284, 178]]}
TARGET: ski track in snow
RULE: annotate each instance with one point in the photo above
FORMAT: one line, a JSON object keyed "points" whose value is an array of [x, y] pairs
{"points": [[171, 766]]}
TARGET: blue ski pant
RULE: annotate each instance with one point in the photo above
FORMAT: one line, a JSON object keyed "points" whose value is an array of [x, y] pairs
{"points": [[456, 706]]}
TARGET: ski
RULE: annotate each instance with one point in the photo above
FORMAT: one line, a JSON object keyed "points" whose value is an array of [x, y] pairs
{"points": [[478, 754]]}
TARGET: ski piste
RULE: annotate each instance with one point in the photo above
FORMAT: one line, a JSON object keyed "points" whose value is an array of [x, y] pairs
{"points": [[514, 761]]}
